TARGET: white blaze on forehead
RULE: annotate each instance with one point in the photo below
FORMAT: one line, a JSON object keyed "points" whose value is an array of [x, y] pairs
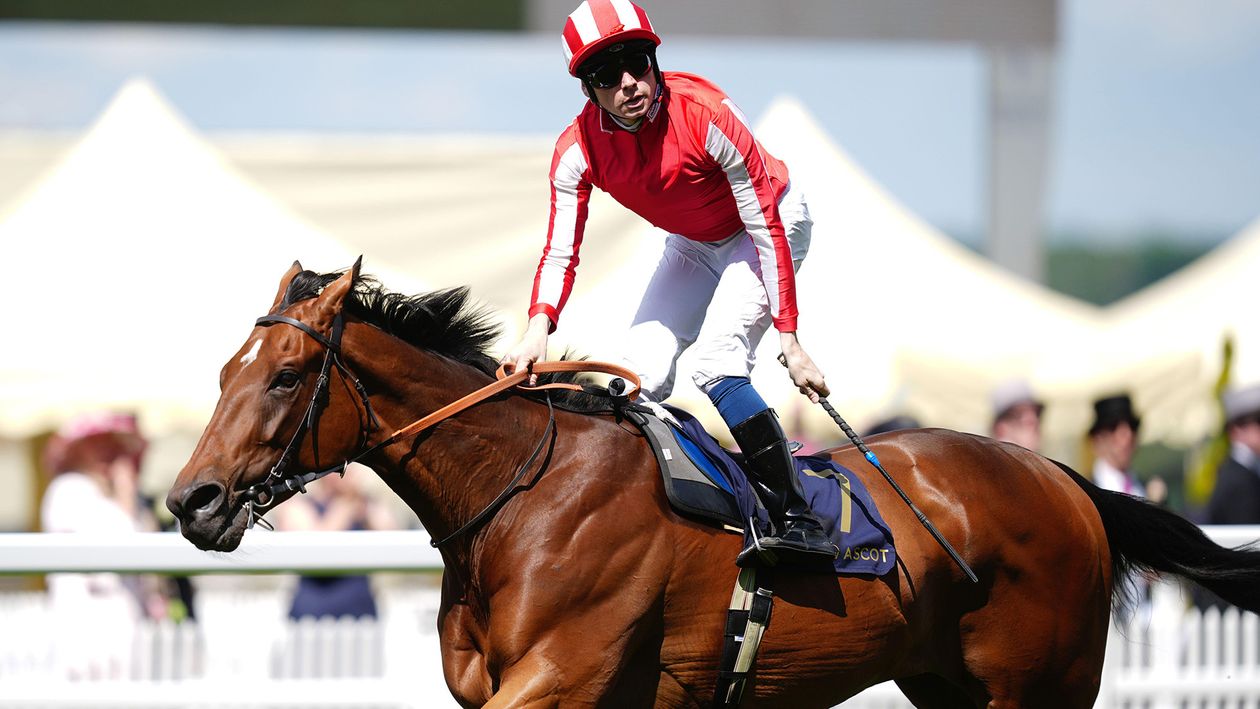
{"points": [[252, 355]]}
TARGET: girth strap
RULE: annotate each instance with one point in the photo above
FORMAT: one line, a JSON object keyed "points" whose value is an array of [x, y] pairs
{"points": [[746, 623]]}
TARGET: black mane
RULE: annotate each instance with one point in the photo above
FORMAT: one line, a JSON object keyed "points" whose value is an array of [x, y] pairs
{"points": [[445, 322]]}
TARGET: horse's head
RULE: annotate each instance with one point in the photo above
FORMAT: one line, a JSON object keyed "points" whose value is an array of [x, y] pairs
{"points": [[273, 415]]}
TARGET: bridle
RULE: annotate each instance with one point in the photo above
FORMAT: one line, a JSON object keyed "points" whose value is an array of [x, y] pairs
{"points": [[280, 480]]}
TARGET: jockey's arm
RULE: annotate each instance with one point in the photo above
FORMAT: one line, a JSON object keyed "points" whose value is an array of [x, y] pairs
{"points": [[732, 146]]}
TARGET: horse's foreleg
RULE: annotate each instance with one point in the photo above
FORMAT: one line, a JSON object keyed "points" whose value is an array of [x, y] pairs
{"points": [[531, 684], [584, 680]]}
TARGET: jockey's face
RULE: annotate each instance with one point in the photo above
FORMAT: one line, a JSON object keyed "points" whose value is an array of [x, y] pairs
{"points": [[630, 98]]}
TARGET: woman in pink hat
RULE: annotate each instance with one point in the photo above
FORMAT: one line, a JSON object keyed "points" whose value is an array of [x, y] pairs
{"points": [[94, 461]]}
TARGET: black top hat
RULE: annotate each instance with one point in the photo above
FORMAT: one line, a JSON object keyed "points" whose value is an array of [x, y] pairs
{"points": [[896, 423], [1112, 411]]}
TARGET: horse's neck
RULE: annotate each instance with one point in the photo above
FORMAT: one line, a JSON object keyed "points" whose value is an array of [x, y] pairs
{"points": [[450, 472]]}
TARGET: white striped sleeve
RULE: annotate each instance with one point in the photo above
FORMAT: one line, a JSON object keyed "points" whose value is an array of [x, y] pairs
{"points": [[570, 195]]}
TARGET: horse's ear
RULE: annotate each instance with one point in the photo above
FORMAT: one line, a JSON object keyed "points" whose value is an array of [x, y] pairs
{"points": [[334, 294], [285, 280]]}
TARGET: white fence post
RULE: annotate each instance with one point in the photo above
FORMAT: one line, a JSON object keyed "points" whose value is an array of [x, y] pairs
{"points": [[1167, 608]]}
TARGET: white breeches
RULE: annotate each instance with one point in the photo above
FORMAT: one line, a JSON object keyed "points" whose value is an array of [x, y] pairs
{"points": [[708, 295]]}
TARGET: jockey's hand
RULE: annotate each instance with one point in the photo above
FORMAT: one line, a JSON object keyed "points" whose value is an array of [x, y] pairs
{"points": [[805, 374], [532, 347]]}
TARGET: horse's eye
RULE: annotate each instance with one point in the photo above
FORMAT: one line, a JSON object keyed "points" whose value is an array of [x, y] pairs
{"points": [[288, 379]]}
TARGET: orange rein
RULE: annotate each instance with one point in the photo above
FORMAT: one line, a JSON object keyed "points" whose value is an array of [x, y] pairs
{"points": [[514, 379]]}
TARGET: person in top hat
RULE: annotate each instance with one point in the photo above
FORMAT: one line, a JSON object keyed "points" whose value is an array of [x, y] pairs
{"points": [[897, 422], [1113, 436], [1236, 496], [1017, 414]]}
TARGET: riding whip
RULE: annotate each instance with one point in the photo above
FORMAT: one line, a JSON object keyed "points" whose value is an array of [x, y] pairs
{"points": [[870, 457]]}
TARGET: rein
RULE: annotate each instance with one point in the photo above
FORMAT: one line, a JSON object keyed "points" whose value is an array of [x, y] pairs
{"points": [[262, 495]]}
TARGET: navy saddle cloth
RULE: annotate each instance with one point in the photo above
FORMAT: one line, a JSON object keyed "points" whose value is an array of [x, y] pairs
{"points": [[715, 487]]}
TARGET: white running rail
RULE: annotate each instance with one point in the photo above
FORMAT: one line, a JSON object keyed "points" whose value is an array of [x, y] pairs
{"points": [[261, 551], [245, 652]]}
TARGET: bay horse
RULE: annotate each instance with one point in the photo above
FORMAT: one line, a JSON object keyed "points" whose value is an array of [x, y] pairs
{"points": [[584, 588]]}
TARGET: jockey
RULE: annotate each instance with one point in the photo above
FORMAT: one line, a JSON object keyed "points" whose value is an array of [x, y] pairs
{"points": [[675, 150]]}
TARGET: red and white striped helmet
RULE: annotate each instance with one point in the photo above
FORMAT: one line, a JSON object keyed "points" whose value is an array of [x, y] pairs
{"points": [[596, 24]]}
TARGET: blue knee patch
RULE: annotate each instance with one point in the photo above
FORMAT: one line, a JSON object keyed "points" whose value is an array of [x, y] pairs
{"points": [[736, 400]]}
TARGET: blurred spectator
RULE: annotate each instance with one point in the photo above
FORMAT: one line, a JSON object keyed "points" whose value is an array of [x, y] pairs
{"points": [[1113, 436], [94, 461], [1236, 497], [334, 504], [895, 423], [1017, 414]]}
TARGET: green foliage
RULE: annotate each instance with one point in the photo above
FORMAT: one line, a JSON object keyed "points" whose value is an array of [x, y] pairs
{"points": [[1102, 273]]}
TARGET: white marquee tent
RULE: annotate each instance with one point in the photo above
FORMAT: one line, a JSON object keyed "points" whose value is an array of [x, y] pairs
{"points": [[452, 210], [135, 268]]}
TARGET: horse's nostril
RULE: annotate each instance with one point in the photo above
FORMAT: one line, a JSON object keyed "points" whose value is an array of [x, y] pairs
{"points": [[203, 500]]}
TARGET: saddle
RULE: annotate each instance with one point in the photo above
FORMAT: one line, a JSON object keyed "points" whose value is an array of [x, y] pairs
{"points": [[706, 482]]}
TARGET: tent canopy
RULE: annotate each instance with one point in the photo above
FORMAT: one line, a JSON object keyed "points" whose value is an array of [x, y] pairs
{"points": [[136, 267]]}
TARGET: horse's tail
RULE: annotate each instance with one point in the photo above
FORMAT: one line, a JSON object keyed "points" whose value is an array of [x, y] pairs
{"points": [[1144, 536]]}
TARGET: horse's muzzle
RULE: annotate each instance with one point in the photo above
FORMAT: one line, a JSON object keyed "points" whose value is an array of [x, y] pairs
{"points": [[202, 511]]}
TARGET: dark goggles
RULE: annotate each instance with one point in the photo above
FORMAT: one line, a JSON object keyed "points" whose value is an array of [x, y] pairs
{"points": [[608, 74]]}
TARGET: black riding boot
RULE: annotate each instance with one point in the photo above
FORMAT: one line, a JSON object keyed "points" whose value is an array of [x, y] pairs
{"points": [[798, 536]]}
